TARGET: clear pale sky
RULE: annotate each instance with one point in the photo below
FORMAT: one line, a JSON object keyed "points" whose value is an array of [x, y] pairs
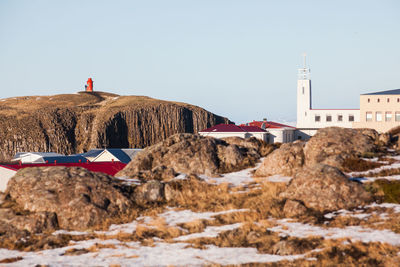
{"points": [[235, 58]]}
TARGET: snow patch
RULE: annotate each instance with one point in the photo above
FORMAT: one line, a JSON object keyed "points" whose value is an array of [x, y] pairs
{"points": [[210, 231], [355, 233]]}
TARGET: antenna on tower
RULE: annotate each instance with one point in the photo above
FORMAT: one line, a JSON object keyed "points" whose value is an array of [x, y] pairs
{"points": [[304, 73]]}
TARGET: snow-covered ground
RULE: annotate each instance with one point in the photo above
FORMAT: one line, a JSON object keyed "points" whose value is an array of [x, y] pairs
{"points": [[355, 233], [106, 250]]}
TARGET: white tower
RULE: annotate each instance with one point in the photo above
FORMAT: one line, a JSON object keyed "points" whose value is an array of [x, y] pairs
{"points": [[303, 96]]}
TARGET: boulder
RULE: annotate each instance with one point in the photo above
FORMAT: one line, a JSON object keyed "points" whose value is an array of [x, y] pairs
{"points": [[251, 143], [325, 188], [192, 154], [294, 208], [333, 145], [286, 160], [149, 193], [79, 198], [36, 222]]}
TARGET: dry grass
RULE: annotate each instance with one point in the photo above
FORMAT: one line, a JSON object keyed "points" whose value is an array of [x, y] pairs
{"points": [[11, 260], [359, 165]]}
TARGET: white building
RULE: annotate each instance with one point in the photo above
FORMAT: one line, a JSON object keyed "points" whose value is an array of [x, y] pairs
{"points": [[232, 130], [269, 132], [124, 155], [5, 175], [309, 120], [276, 132], [34, 157]]}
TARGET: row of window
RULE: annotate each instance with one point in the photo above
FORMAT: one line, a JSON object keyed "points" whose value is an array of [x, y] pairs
{"points": [[387, 100], [379, 116], [328, 118]]}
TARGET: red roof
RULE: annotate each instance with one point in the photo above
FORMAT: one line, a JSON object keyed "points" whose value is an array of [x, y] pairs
{"points": [[232, 128], [267, 125], [252, 129], [110, 168], [224, 128]]}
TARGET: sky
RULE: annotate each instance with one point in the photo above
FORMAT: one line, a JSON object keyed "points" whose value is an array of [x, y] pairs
{"points": [[238, 59]]}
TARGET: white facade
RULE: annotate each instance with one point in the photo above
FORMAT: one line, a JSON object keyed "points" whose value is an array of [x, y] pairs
{"points": [[34, 157], [280, 135], [309, 120], [225, 134], [5, 176]]}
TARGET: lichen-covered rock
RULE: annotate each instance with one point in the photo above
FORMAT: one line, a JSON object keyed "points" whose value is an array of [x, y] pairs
{"points": [[293, 208], [148, 193], [286, 160], [79, 198], [36, 222], [325, 188], [251, 143], [192, 154], [333, 145]]}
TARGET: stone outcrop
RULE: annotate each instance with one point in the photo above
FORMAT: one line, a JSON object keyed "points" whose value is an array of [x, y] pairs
{"points": [[191, 154], [333, 145], [286, 160], [261, 147], [76, 197], [78, 122], [325, 188]]}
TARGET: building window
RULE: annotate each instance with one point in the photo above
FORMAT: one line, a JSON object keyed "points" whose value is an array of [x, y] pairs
{"points": [[388, 116], [388, 100], [303, 90], [397, 116], [378, 116], [317, 118], [378, 100], [398, 100], [340, 118], [368, 116], [328, 118], [369, 100], [351, 117]]}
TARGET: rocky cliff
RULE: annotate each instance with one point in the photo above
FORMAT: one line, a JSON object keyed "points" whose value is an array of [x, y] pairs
{"points": [[74, 123]]}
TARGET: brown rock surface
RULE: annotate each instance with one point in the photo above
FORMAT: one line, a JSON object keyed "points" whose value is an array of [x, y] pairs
{"points": [[286, 160], [151, 192], [189, 153], [333, 145], [73, 123], [293, 208], [79, 198], [325, 188], [251, 143]]}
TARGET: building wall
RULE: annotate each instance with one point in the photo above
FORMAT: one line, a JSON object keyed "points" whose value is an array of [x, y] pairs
{"points": [[280, 135], [224, 134], [310, 120], [379, 104], [5, 176], [105, 157]]}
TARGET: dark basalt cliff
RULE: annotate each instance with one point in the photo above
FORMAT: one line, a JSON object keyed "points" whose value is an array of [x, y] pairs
{"points": [[74, 123]]}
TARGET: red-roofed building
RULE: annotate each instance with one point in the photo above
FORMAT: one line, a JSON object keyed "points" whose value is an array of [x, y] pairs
{"points": [[8, 170], [230, 130], [277, 132]]}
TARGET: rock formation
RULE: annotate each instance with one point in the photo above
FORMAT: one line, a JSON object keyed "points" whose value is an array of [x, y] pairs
{"points": [[330, 146], [333, 145], [324, 188], [78, 122], [69, 198], [286, 160], [191, 154]]}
